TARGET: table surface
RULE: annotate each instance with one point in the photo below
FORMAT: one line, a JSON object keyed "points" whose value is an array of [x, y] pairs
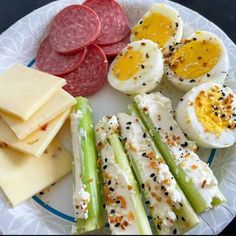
{"points": [[221, 12]]}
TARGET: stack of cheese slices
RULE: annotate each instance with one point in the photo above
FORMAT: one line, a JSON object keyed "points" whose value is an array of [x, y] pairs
{"points": [[33, 108]]}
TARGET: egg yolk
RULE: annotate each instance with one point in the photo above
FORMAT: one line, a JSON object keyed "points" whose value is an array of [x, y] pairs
{"points": [[155, 27], [214, 110], [128, 65], [195, 58]]}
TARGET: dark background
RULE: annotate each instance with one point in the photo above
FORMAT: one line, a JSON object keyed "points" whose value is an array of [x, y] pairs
{"points": [[221, 12]]}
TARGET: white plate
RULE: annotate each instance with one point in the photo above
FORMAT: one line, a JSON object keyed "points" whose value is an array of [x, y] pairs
{"points": [[51, 213]]}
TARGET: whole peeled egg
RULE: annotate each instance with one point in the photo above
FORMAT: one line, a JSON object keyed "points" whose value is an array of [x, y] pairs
{"points": [[138, 68], [207, 114], [199, 59]]}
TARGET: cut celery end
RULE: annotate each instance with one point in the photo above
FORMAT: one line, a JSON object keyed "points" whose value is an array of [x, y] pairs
{"points": [[188, 187], [89, 172], [121, 158], [187, 218]]}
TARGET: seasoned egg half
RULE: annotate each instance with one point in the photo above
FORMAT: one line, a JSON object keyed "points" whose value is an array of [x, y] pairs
{"points": [[207, 114], [138, 68], [161, 24], [199, 59]]}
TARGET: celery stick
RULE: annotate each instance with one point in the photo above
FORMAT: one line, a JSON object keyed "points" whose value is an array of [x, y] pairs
{"points": [[159, 209], [192, 193], [119, 183], [87, 193]]}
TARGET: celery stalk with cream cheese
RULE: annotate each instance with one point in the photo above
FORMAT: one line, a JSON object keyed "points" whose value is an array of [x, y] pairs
{"points": [[125, 210], [193, 175], [86, 192], [170, 210]]}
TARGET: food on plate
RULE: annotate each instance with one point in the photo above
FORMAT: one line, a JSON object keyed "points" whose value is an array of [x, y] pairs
{"points": [[113, 49], [162, 24], [163, 196], [125, 210], [37, 142], [90, 75], [194, 176], [58, 104], [199, 59], [74, 28], [24, 90], [137, 68], [207, 114], [22, 175], [87, 190], [114, 21], [54, 63]]}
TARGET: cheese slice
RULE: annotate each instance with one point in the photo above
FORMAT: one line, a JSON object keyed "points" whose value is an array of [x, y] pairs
{"points": [[36, 143], [59, 103], [22, 175], [24, 90]]}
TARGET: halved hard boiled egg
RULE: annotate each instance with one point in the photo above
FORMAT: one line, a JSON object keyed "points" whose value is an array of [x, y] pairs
{"points": [[138, 68], [161, 24], [207, 114], [199, 59]]}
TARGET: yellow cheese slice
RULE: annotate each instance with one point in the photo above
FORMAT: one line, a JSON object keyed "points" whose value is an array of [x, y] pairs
{"points": [[59, 103], [36, 143], [22, 175], [24, 90]]}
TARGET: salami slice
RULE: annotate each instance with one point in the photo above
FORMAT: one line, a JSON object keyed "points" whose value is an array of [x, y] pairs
{"points": [[115, 23], [90, 75], [54, 63], [114, 49], [73, 28]]}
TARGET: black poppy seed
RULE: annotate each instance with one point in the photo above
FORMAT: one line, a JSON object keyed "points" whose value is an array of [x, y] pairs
{"points": [[234, 114], [147, 202], [166, 193], [158, 226], [159, 128], [162, 187], [113, 211], [194, 39], [171, 128], [140, 22], [142, 66], [152, 175], [181, 99], [143, 44], [172, 177], [125, 139], [143, 186], [144, 84], [109, 182], [220, 98], [175, 231], [176, 24], [192, 81], [117, 201], [223, 115], [128, 123], [208, 75], [180, 204], [127, 127], [41, 193], [223, 94], [224, 86], [104, 167], [106, 160], [185, 144], [216, 113], [117, 224], [155, 179], [144, 135], [111, 189], [103, 205], [144, 154]]}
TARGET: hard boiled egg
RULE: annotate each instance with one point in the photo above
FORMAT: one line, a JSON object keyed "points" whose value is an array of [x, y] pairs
{"points": [[138, 68], [161, 24], [207, 114], [201, 58]]}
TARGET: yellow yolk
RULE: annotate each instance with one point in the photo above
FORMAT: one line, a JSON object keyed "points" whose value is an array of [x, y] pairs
{"points": [[214, 111], [195, 59], [128, 65], [155, 27]]}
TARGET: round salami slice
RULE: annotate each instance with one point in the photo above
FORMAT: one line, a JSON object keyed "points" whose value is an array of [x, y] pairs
{"points": [[54, 63], [114, 49], [73, 28], [90, 75], [115, 23]]}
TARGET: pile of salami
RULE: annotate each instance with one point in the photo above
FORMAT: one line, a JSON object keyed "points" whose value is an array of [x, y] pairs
{"points": [[80, 40]]}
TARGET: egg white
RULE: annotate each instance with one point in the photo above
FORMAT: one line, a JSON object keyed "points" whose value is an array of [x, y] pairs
{"points": [[145, 79], [188, 121], [217, 74], [173, 15]]}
